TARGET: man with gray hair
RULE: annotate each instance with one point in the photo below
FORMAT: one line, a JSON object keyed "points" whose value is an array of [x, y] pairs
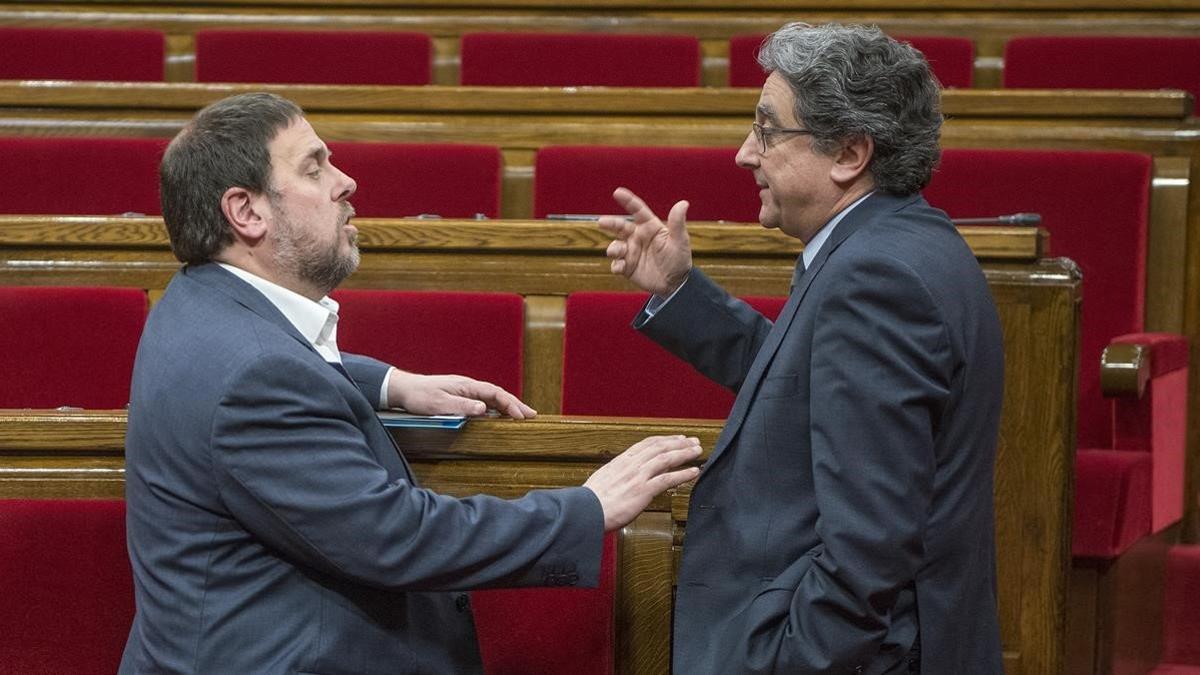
{"points": [[273, 524], [844, 521]]}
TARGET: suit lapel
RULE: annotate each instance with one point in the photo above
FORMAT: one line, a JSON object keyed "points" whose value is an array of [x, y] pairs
{"points": [[244, 294], [863, 213]]}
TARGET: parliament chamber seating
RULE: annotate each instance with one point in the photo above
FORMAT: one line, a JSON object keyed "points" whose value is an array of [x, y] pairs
{"points": [[1103, 62], [579, 59], [535, 630], [68, 346], [400, 180], [67, 586], [611, 369], [1129, 466], [580, 179], [314, 57], [429, 332], [82, 54], [952, 59], [1130, 457], [80, 176]]}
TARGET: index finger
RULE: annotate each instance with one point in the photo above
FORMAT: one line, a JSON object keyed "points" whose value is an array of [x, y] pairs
{"points": [[633, 205]]}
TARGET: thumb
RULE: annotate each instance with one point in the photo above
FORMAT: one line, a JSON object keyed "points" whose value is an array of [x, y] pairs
{"points": [[677, 220]]}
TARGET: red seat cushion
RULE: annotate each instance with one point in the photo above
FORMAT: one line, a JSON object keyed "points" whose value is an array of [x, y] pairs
{"points": [[81, 54], [65, 346], [67, 586], [1103, 62], [579, 59], [80, 176], [313, 57], [397, 180], [581, 178], [550, 631], [1095, 206], [473, 334], [952, 59], [601, 351], [1112, 502]]}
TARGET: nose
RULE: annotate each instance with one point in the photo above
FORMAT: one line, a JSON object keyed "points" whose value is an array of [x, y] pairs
{"points": [[345, 186], [747, 155]]}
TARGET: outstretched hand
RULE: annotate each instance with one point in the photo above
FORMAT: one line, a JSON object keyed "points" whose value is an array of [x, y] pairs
{"points": [[626, 485], [451, 395], [655, 256]]}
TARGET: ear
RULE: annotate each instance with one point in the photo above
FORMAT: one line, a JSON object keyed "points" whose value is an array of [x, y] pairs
{"points": [[244, 211], [851, 161]]}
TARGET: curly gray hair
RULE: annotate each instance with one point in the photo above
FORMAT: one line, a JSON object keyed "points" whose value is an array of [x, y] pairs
{"points": [[854, 82]]}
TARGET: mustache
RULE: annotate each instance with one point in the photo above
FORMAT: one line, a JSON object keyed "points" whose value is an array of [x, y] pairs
{"points": [[347, 212]]}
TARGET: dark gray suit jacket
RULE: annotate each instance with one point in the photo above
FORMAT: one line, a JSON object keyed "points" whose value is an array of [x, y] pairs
{"points": [[848, 501], [273, 525]]}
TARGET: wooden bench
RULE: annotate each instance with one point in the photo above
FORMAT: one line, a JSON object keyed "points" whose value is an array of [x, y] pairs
{"points": [[713, 21], [79, 454]]}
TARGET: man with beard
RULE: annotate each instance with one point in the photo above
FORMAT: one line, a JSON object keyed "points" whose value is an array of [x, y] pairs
{"points": [[273, 525]]}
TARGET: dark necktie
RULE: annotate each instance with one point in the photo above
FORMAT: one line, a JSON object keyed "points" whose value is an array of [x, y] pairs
{"points": [[797, 274]]}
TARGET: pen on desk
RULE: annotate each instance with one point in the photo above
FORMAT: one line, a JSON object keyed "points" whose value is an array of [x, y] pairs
{"points": [[577, 216]]}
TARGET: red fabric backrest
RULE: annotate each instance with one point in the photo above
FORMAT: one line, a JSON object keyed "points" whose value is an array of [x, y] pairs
{"points": [[581, 179], [427, 332], [549, 631], [611, 369], [67, 586], [313, 57], [1103, 62], [80, 176], [397, 180], [1095, 206], [81, 54], [952, 59], [64, 346], [579, 59]]}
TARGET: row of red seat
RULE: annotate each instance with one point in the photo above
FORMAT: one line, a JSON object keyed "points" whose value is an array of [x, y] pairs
{"points": [[579, 59]]}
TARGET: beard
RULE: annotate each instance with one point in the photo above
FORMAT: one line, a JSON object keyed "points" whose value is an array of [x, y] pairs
{"points": [[298, 254]]}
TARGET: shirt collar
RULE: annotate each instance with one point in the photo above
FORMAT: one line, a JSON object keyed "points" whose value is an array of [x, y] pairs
{"points": [[316, 321], [814, 245]]}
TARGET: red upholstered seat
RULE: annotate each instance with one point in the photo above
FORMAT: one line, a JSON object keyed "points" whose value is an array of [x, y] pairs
{"points": [[81, 54], [80, 176], [313, 57], [1095, 206], [549, 631], [952, 59], [579, 59], [1181, 619], [611, 369], [1103, 62], [475, 334], [66, 585], [64, 346], [581, 178], [398, 180]]}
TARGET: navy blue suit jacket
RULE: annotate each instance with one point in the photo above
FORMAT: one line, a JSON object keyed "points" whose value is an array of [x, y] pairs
{"points": [[847, 506], [273, 525]]}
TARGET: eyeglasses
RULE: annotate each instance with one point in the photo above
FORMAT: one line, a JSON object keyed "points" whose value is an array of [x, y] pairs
{"points": [[763, 133]]}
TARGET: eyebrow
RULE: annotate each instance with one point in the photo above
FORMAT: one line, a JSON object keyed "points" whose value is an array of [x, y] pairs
{"points": [[316, 154], [768, 112]]}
